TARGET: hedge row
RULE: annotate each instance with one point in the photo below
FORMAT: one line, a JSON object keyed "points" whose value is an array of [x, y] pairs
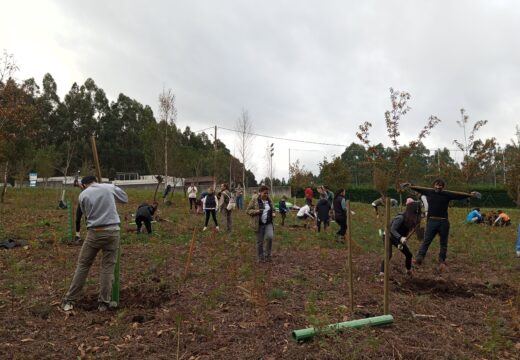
{"points": [[491, 197]]}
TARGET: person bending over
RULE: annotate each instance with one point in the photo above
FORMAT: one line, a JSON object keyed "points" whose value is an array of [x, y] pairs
{"points": [[304, 214], [401, 228], [502, 219], [144, 214], [98, 203], [474, 217], [381, 203]]}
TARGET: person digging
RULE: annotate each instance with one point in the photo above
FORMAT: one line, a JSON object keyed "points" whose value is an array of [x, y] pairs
{"points": [[437, 219], [98, 203], [144, 215], [402, 227]]}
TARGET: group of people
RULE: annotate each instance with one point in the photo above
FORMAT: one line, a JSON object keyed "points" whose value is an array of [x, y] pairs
{"points": [[224, 201], [98, 203], [492, 218]]}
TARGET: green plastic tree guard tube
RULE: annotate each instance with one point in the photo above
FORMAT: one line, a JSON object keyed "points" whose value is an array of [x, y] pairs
{"points": [[303, 334], [115, 285], [69, 222]]}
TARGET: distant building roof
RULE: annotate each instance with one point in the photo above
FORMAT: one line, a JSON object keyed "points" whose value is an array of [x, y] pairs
{"points": [[199, 179]]}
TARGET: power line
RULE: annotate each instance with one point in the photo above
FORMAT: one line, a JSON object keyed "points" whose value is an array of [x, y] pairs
{"points": [[300, 141], [284, 139]]}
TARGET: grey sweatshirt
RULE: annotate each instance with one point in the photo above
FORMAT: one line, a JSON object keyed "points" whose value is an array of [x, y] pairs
{"points": [[98, 203]]}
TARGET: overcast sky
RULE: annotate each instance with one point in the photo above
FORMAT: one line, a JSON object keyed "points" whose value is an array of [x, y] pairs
{"points": [[303, 69]]}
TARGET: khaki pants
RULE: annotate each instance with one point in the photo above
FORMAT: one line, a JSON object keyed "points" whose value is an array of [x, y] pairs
{"points": [[108, 241]]}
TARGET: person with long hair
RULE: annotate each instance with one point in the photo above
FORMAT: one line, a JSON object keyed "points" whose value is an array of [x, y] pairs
{"points": [[224, 197], [340, 214], [261, 211], [401, 228], [210, 208]]}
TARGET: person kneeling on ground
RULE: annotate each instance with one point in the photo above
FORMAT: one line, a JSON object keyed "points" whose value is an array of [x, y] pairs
{"points": [[322, 212], [474, 217], [98, 203], [144, 214], [304, 213], [502, 219], [261, 210], [401, 228]]}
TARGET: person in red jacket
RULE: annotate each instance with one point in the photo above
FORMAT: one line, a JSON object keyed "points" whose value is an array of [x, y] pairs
{"points": [[308, 196]]}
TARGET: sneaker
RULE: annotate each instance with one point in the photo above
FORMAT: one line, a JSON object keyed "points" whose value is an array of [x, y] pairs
{"points": [[409, 272], [217, 228], [268, 259], [102, 307], [67, 306], [418, 260], [518, 253], [205, 228]]}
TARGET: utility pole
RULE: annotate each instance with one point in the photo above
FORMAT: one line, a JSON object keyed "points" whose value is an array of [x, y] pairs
{"points": [[288, 177], [439, 161], [271, 154], [215, 160]]}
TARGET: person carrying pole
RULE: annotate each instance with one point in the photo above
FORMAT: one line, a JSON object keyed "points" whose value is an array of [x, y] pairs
{"points": [[98, 203], [437, 220], [402, 228]]}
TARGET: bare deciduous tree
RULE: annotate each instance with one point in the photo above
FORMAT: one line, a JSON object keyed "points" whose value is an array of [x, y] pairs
{"points": [[244, 128], [399, 101], [168, 114]]}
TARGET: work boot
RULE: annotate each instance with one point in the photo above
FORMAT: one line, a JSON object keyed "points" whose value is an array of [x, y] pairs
{"points": [[418, 260], [443, 267]]}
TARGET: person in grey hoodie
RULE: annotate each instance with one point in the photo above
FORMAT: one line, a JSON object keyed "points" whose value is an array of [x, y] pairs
{"points": [[98, 203]]}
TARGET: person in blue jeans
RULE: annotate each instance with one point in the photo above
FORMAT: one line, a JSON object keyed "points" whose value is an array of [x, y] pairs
{"points": [[437, 220], [518, 243]]}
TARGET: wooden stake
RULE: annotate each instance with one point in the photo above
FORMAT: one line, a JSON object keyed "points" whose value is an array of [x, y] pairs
{"points": [[188, 260], [349, 245], [96, 158], [387, 257]]}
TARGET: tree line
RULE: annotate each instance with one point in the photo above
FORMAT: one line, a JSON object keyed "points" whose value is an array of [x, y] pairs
{"points": [[41, 132]]}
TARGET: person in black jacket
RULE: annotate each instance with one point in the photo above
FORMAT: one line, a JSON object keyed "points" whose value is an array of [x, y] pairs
{"points": [[144, 215], [340, 214], [401, 228], [437, 219], [322, 212]]}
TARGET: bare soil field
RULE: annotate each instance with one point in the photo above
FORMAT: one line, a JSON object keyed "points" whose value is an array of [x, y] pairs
{"points": [[227, 305]]}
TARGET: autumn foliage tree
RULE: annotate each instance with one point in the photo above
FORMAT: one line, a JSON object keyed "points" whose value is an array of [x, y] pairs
{"points": [[392, 166]]}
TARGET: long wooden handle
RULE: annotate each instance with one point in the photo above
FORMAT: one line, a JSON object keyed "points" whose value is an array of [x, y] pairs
{"points": [[96, 158]]}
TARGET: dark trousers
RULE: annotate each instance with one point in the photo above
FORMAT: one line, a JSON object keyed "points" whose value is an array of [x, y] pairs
{"points": [[213, 213], [342, 226], [283, 218], [434, 227], [325, 224], [147, 223], [193, 203], [405, 250]]}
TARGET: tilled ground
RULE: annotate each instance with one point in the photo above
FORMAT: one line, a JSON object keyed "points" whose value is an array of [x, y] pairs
{"points": [[230, 306]]}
